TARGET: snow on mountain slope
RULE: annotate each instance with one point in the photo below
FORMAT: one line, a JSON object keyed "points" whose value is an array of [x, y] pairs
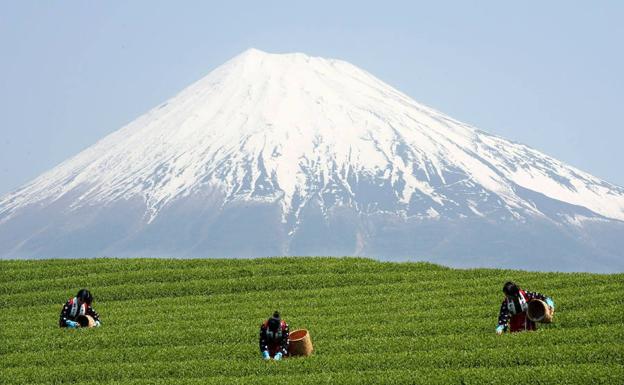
{"points": [[307, 134], [269, 126]]}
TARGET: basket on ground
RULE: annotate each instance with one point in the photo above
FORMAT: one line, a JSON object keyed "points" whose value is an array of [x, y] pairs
{"points": [[300, 343], [85, 321], [539, 311]]}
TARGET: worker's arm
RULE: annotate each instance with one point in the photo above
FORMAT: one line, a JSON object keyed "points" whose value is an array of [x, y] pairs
{"points": [[503, 318], [96, 317], [535, 295], [263, 341], [285, 341], [64, 315]]}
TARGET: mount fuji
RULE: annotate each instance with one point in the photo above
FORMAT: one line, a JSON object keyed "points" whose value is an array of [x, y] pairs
{"points": [[287, 154]]}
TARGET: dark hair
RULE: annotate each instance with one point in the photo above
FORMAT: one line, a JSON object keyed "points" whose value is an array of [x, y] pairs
{"points": [[275, 321], [84, 295], [511, 289]]}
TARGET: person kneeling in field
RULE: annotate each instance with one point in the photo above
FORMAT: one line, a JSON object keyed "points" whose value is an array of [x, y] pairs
{"points": [[513, 311], [274, 338], [78, 306]]}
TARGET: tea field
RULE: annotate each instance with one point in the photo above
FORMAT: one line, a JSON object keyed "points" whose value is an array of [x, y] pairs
{"points": [[196, 322]]}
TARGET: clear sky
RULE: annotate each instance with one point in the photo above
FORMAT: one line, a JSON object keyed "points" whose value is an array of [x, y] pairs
{"points": [[547, 74]]}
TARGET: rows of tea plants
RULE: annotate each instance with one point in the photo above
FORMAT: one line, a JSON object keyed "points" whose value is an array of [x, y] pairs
{"points": [[196, 322]]}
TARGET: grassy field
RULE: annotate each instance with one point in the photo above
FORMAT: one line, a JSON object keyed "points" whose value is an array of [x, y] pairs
{"points": [[196, 322]]}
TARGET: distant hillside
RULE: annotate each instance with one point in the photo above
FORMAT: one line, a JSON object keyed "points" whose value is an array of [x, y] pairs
{"points": [[196, 322]]}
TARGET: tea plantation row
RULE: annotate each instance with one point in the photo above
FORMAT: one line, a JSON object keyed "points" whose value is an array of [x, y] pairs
{"points": [[196, 322]]}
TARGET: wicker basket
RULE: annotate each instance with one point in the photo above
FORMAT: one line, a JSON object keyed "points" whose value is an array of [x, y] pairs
{"points": [[300, 343], [539, 311], [85, 321]]}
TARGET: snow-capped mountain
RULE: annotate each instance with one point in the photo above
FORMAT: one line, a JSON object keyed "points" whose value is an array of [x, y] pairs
{"points": [[274, 154]]}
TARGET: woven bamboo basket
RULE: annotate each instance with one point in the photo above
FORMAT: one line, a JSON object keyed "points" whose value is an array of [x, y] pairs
{"points": [[85, 321], [539, 311], [300, 343]]}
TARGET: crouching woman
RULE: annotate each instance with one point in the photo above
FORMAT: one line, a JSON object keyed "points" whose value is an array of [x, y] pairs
{"points": [[513, 312], [77, 308], [274, 338]]}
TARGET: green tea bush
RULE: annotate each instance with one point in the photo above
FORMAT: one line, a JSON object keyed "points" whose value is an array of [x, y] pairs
{"points": [[172, 321]]}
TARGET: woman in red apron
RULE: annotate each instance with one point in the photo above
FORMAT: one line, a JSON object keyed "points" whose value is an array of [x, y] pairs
{"points": [[513, 311]]}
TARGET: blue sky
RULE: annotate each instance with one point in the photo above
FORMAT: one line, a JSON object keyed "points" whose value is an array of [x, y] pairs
{"points": [[547, 75]]}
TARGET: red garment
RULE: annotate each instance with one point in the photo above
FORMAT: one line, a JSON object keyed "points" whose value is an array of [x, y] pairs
{"points": [[518, 320]]}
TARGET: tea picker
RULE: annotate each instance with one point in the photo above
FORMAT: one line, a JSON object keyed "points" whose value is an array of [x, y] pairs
{"points": [[274, 338], [521, 309], [77, 312]]}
